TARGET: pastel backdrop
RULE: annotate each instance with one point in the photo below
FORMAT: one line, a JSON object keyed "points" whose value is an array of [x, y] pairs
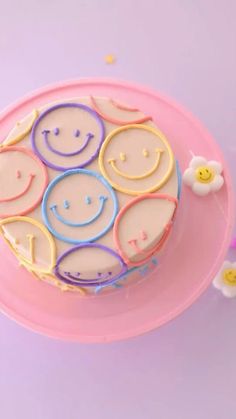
{"points": [[185, 49]]}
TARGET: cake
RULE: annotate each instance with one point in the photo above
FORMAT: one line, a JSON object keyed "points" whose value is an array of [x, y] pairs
{"points": [[89, 189]]}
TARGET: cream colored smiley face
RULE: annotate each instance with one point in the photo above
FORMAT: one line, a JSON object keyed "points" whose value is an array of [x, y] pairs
{"points": [[136, 159]]}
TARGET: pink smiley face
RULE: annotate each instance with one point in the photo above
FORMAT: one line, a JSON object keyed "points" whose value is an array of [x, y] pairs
{"points": [[146, 233], [23, 179]]}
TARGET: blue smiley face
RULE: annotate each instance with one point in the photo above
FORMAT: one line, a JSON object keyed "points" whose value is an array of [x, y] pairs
{"points": [[79, 206]]}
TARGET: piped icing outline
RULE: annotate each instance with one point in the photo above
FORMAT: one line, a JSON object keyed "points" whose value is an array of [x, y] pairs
{"points": [[154, 131], [67, 105], [23, 260], [138, 177], [61, 177], [102, 200], [90, 283], [117, 121], [23, 134], [43, 169], [80, 243], [163, 238], [122, 106], [20, 194], [45, 133]]}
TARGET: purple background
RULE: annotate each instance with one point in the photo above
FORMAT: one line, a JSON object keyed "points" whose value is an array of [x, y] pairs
{"points": [[186, 49]]}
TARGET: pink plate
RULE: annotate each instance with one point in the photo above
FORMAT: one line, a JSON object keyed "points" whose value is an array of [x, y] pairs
{"points": [[193, 255]]}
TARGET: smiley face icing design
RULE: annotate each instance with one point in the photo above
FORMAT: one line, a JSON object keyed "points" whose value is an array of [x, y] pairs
{"points": [[136, 159], [150, 219], [79, 206], [74, 266], [31, 243], [67, 136], [23, 179]]}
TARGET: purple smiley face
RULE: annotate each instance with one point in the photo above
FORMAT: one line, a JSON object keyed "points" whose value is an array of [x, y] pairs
{"points": [[74, 266], [67, 136]]}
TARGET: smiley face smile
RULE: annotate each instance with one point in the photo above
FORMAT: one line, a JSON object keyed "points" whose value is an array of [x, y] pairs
{"points": [[63, 220], [205, 174], [25, 190], [46, 133], [77, 277], [137, 177]]}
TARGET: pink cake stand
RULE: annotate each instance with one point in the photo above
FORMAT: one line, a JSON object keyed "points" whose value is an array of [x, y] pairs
{"points": [[192, 257]]}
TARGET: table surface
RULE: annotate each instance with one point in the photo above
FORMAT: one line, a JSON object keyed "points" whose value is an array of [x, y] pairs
{"points": [[186, 49]]}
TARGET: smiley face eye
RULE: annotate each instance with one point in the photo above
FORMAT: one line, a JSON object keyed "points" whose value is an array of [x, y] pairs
{"points": [[88, 200], [122, 156], [56, 131], [18, 174], [66, 204], [143, 235], [145, 152], [77, 133]]}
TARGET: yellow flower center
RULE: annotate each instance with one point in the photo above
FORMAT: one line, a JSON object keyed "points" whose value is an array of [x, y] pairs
{"points": [[229, 277], [205, 174]]}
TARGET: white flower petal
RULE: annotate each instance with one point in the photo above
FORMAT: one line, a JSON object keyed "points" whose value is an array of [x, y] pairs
{"points": [[189, 177], [227, 265], [218, 281], [217, 183], [201, 189], [197, 161], [229, 291], [216, 166]]}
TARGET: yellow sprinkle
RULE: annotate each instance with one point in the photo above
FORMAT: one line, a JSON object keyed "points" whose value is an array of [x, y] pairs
{"points": [[110, 59]]}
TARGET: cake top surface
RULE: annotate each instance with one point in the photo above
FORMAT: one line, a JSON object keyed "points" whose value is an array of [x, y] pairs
{"points": [[88, 189]]}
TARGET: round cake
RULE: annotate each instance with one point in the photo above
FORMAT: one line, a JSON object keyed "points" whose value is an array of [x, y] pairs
{"points": [[89, 189]]}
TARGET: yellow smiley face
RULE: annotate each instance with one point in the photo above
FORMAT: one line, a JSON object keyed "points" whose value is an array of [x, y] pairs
{"points": [[136, 159], [229, 277], [205, 174]]}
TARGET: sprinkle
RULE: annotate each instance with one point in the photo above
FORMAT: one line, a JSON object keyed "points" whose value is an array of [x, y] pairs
{"points": [[110, 59], [154, 261]]}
